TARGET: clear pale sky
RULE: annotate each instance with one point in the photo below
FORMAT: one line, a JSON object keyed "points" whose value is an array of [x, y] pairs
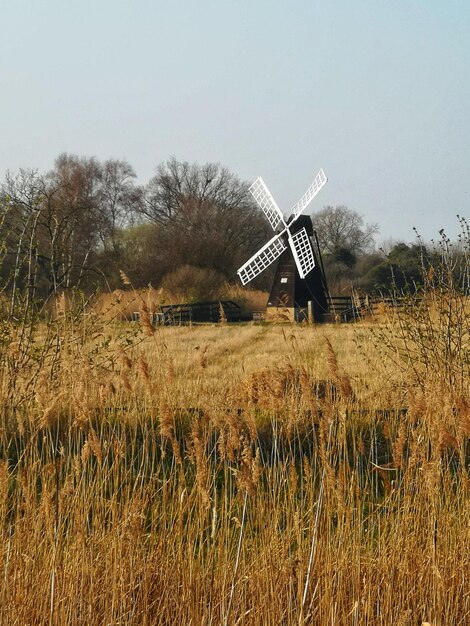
{"points": [[377, 92]]}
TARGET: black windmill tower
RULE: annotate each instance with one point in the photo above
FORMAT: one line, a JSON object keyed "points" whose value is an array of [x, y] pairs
{"points": [[299, 290]]}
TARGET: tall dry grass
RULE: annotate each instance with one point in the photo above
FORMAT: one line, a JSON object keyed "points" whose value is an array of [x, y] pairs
{"points": [[234, 474]]}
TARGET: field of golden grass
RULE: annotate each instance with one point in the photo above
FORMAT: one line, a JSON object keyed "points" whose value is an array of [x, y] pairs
{"points": [[235, 474]]}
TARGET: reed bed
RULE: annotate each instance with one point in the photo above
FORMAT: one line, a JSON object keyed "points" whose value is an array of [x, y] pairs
{"points": [[234, 474]]}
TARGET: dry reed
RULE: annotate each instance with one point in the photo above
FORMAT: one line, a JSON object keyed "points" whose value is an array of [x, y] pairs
{"points": [[287, 480]]}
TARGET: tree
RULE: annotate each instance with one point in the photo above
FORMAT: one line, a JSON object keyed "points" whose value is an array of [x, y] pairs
{"points": [[70, 220], [205, 216], [56, 227], [118, 200], [342, 228], [22, 197], [403, 269], [137, 255], [80, 225], [345, 256], [193, 284]]}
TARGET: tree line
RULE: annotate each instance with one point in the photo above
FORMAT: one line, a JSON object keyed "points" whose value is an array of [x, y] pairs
{"points": [[85, 220]]}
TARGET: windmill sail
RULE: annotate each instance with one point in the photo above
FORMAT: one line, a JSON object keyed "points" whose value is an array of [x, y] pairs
{"points": [[302, 204], [266, 202], [302, 252], [299, 242], [262, 259]]}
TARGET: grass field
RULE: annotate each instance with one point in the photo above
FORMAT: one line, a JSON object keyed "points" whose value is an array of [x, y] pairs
{"points": [[236, 474]]}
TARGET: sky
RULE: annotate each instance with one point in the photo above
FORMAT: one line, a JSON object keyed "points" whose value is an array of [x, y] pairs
{"points": [[377, 92]]}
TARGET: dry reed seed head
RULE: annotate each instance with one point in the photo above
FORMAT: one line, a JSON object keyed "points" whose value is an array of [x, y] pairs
{"points": [[294, 342], [234, 436], [246, 451], [95, 445], [52, 412], [118, 447], [249, 389], [332, 360], [203, 357], [398, 446], [145, 321], [125, 279], [448, 440], [249, 470], [256, 468], [166, 421], [144, 368], [4, 484], [417, 404], [342, 489], [360, 444], [343, 380], [293, 478], [250, 423], [134, 518], [118, 295], [462, 406], [170, 369], [222, 316], [76, 466], [42, 388], [108, 390], [386, 477], [305, 384], [4, 473], [102, 395], [67, 493], [386, 429], [345, 386], [81, 405], [125, 359], [125, 382], [278, 383], [86, 452], [222, 444], [175, 446]]}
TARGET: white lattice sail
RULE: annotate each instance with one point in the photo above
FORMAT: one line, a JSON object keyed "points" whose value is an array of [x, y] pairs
{"points": [[266, 202], [302, 204], [302, 251], [299, 242], [262, 259]]}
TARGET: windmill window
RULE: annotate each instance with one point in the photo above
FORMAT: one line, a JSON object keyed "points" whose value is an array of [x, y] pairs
{"points": [[284, 280]]}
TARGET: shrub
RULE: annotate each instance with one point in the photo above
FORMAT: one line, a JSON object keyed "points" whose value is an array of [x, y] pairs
{"points": [[193, 284]]}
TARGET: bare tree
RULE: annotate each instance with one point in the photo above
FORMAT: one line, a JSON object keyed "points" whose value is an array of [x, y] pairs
{"points": [[342, 228], [70, 220], [118, 200], [21, 200], [206, 216]]}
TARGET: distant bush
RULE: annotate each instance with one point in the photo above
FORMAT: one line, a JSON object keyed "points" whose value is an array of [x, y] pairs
{"points": [[193, 284]]}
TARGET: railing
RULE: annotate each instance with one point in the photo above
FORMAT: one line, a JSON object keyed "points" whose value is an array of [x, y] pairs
{"points": [[187, 313], [347, 308]]}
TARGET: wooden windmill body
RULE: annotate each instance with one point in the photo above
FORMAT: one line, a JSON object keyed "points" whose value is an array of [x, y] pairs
{"points": [[293, 298], [299, 289]]}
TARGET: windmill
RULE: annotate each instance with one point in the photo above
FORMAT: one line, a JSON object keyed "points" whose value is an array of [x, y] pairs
{"points": [[299, 281]]}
